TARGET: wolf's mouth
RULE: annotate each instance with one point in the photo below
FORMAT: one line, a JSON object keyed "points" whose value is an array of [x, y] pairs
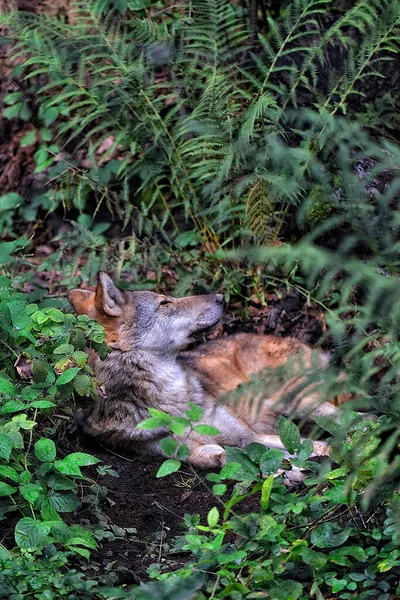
{"points": [[204, 330]]}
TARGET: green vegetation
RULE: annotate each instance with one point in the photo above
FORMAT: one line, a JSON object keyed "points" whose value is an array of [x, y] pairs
{"points": [[213, 143]]}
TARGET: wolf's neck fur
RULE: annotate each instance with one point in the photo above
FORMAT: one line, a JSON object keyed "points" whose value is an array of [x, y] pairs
{"points": [[149, 379]]}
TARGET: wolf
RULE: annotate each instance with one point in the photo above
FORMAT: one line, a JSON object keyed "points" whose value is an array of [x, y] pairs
{"points": [[148, 368]]}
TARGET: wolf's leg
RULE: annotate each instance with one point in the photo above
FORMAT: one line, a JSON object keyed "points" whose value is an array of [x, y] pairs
{"points": [[207, 456], [274, 441], [307, 407]]}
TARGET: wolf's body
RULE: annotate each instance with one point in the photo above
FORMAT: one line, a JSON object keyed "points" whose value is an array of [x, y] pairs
{"points": [[147, 369]]}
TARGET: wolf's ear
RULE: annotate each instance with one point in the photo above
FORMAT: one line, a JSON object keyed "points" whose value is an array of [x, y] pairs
{"points": [[108, 298], [83, 302]]}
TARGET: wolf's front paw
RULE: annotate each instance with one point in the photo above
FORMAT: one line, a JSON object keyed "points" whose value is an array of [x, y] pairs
{"points": [[208, 456], [320, 449]]}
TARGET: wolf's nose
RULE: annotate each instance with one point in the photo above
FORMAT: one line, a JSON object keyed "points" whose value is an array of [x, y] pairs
{"points": [[219, 298]]}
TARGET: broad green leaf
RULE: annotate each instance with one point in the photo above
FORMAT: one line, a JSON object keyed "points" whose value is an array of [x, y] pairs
{"points": [[151, 423], [12, 406], [254, 451], [82, 459], [31, 491], [194, 412], [63, 501], [82, 384], [313, 558], [30, 534], [40, 369], [41, 404], [271, 461], [89, 543], [248, 471], [45, 450], [8, 472], [168, 446], [6, 446], [206, 430], [266, 491], [183, 452], [7, 388], [219, 489], [48, 513], [213, 517], [287, 590], [23, 422], [71, 463], [67, 376], [169, 466], [64, 349], [6, 490], [82, 551], [28, 139], [289, 434], [329, 535], [10, 201]]}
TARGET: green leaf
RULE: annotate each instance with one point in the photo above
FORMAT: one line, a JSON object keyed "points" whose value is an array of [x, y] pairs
{"points": [[7, 388], [82, 384], [183, 452], [168, 446], [41, 404], [271, 461], [6, 446], [67, 376], [48, 513], [56, 315], [287, 590], [329, 535], [64, 349], [63, 501], [194, 412], [206, 430], [45, 450], [71, 463], [229, 470], [28, 139], [248, 471], [289, 434], [12, 406], [30, 534], [313, 558], [213, 517], [266, 491], [219, 489], [10, 201], [82, 551], [40, 369], [23, 422], [6, 490], [169, 466], [151, 423], [9, 472], [31, 491]]}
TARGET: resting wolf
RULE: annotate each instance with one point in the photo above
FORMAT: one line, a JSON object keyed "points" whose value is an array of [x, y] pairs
{"points": [[147, 368]]}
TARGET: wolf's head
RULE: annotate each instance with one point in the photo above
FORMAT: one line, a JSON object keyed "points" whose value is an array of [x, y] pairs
{"points": [[146, 320]]}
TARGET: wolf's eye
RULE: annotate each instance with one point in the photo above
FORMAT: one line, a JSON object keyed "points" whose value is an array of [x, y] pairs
{"points": [[165, 301]]}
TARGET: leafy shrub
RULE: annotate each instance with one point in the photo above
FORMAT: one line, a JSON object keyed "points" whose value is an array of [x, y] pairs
{"points": [[42, 364]]}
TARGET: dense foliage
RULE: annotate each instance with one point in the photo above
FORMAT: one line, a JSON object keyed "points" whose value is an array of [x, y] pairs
{"points": [[247, 160]]}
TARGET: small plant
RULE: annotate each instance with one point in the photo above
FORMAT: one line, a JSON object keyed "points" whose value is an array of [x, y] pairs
{"points": [[42, 365]]}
